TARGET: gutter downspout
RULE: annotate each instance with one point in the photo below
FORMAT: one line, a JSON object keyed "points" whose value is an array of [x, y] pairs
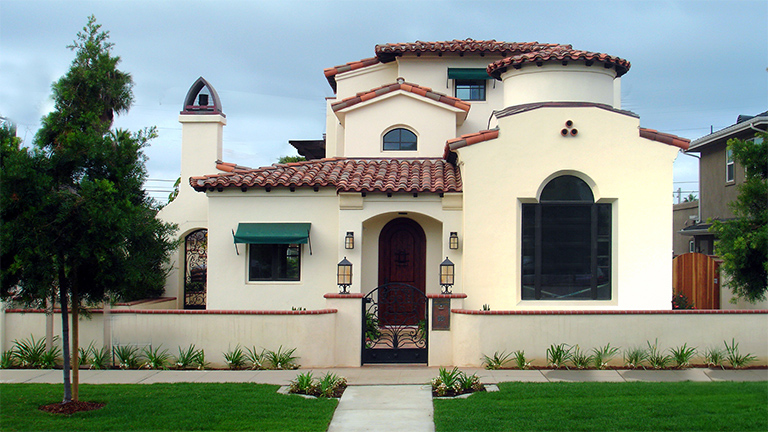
{"points": [[699, 205]]}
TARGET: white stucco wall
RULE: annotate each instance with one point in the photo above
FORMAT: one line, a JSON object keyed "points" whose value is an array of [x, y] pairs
{"points": [[368, 78], [555, 82], [366, 123], [228, 285], [432, 71], [632, 173]]}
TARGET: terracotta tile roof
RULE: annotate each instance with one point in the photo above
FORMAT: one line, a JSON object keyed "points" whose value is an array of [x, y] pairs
{"points": [[559, 53], [404, 86], [330, 73], [388, 51], [665, 138], [346, 175], [468, 139]]}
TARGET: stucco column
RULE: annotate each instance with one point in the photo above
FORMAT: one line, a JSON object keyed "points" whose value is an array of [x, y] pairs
{"points": [[440, 337], [348, 331]]}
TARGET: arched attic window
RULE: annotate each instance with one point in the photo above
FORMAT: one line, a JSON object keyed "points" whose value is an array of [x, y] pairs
{"points": [[202, 99], [399, 139], [566, 244]]}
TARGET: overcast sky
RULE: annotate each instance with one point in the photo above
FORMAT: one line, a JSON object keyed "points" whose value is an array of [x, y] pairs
{"points": [[696, 65]]}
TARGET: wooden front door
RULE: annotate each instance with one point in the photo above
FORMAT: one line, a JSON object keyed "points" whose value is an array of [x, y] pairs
{"points": [[402, 260]]}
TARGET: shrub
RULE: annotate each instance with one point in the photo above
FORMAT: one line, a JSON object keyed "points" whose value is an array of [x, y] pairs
{"points": [[657, 359], [580, 359], [455, 382], [497, 360], [186, 357], [734, 358], [634, 357], [199, 362], [156, 359], [51, 357], [558, 355], [329, 385], [235, 358], [602, 355], [520, 361], [8, 359], [682, 355], [714, 357], [29, 352], [680, 301], [99, 358], [84, 354], [127, 356], [255, 357], [282, 359]]}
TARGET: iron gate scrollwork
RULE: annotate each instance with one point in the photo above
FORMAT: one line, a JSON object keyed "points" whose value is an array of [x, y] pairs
{"points": [[395, 325], [195, 269]]}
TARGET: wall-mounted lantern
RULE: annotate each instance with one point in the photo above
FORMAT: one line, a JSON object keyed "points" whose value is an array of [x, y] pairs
{"points": [[344, 275], [446, 275], [453, 240], [349, 240]]}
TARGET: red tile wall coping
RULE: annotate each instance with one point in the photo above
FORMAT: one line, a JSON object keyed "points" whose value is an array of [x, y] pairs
{"points": [[457, 295], [344, 296], [146, 301], [193, 312], [611, 312]]}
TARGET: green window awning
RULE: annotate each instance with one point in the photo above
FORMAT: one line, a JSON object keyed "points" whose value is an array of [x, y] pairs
{"points": [[468, 74], [272, 233]]}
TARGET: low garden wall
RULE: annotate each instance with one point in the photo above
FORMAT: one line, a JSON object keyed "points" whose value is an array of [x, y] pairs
{"points": [[475, 333], [310, 332]]}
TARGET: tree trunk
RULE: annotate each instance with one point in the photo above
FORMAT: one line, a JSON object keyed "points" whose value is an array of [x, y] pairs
{"points": [[75, 341], [64, 330]]}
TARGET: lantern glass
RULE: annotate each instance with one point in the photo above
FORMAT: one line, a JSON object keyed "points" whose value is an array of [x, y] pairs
{"points": [[453, 240], [344, 273], [446, 273], [349, 240]]}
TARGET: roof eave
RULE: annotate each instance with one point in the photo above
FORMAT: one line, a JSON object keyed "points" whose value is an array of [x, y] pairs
{"points": [[698, 144]]}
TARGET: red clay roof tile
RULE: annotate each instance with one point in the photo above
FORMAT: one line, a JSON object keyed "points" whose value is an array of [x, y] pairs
{"points": [[346, 175], [665, 138], [407, 87], [468, 139], [559, 53], [386, 52]]}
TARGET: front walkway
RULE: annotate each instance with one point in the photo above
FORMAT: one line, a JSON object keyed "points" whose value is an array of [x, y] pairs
{"points": [[379, 375]]}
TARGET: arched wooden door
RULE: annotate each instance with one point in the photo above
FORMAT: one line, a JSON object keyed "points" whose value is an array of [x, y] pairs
{"points": [[402, 260]]}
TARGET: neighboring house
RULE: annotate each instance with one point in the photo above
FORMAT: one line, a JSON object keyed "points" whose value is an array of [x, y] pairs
{"points": [[514, 161], [684, 215], [719, 176]]}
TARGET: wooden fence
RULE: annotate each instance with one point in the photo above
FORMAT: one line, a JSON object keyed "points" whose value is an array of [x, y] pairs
{"points": [[697, 276]]}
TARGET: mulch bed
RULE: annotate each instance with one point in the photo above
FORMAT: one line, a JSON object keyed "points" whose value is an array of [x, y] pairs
{"points": [[69, 408], [336, 394]]}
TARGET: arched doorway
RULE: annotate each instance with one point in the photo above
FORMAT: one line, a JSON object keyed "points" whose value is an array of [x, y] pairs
{"points": [[195, 269], [402, 258], [395, 312]]}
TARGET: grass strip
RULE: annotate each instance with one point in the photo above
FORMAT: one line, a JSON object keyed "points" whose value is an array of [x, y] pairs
{"points": [[165, 407], [634, 406]]}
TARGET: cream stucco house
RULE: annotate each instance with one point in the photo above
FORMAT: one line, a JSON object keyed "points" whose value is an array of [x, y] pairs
{"points": [[482, 195], [520, 151]]}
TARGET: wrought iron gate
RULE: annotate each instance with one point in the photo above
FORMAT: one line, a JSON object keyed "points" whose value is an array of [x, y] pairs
{"points": [[195, 269], [395, 325]]}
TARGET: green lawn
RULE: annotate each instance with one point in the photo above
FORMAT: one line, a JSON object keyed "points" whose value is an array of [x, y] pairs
{"points": [[640, 406], [182, 406]]}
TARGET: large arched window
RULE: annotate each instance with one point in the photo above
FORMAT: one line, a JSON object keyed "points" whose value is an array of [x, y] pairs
{"points": [[566, 244], [399, 139]]}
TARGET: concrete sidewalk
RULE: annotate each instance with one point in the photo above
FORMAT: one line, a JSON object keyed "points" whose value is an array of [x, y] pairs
{"points": [[379, 375]]}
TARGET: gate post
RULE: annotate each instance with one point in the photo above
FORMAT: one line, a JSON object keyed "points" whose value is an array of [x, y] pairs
{"points": [[347, 333], [440, 337]]}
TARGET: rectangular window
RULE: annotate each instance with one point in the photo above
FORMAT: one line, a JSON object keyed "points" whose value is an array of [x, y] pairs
{"points": [[566, 251], [274, 262], [729, 165], [470, 89]]}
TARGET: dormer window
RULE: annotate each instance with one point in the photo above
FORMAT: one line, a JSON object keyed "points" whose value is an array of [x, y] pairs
{"points": [[469, 83], [399, 139]]}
